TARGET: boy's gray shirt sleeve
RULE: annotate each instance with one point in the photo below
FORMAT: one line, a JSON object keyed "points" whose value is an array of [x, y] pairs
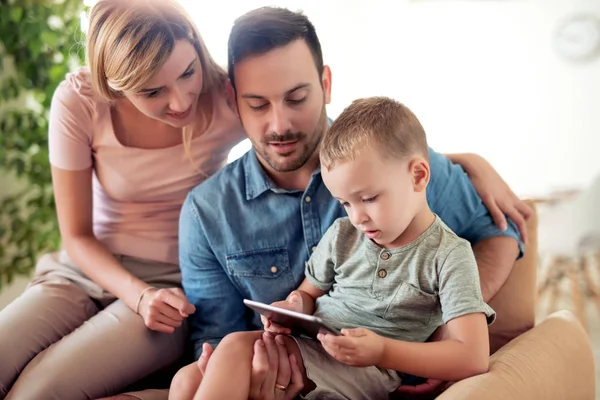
{"points": [[320, 270], [459, 287]]}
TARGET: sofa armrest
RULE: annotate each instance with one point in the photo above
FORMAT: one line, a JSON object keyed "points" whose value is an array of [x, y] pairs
{"points": [[554, 360]]}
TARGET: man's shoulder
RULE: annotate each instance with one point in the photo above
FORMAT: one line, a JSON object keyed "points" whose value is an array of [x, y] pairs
{"points": [[227, 181]]}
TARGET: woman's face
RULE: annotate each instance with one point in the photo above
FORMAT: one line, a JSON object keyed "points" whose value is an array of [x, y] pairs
{"points": [[171, 96]]}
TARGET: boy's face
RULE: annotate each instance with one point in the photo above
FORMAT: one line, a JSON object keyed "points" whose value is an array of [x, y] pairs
{"points": [[281, 102], [380, 195]]}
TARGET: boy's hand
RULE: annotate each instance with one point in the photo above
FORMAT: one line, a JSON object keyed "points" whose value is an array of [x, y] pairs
{"points": [[292, 303], [357, 347]]}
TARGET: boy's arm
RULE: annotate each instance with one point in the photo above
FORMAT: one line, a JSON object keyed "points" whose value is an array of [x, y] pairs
{"points": [[308, 296], [465, 354], [466, 350], [300, 300]]}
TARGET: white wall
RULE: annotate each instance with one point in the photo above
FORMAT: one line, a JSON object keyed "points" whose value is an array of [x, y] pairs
{"points": [[481, 75]]}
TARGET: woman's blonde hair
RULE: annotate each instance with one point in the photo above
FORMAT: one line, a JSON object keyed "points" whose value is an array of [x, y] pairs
{"points": [[128, 41]]}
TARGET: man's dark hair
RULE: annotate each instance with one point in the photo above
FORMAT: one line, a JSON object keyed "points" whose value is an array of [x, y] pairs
{"points": [[264, 29]]}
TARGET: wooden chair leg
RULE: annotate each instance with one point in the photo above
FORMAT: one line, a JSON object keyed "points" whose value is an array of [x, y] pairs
{"points": [[576, 294], [554, 296], [591, 287]]}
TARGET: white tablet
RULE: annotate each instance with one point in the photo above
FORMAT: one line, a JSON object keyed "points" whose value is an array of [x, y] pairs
{"points": [[304, 323]]}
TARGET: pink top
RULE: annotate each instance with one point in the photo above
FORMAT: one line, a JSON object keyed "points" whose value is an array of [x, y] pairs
{"points": [[137, 192]]}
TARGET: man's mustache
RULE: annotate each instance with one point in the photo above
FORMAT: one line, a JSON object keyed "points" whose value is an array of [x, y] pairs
{"points": [[286, 137]]}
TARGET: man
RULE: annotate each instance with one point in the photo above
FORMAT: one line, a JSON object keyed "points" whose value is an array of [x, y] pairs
{"points": [[247, 231]]}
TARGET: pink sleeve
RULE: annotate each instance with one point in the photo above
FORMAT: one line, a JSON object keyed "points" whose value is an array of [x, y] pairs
{"points": [[70, 125]]}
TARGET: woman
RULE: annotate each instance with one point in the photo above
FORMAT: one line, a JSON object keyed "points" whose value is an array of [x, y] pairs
{"points": [[129, 137]]}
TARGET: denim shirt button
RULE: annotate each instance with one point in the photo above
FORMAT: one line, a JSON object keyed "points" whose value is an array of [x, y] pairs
{"points": [[273, 269], [313, 248], [307, 199]]}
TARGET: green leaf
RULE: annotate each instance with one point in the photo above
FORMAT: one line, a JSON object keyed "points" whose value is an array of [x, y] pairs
{"points": [[28, 224], [16, 14]]}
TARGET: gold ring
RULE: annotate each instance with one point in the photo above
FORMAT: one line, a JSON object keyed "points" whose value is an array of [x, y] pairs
{"points": [[280, 387]]}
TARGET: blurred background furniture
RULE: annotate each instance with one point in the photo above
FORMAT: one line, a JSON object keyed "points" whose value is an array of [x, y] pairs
{"points": [[551, 361], [569, 247]]}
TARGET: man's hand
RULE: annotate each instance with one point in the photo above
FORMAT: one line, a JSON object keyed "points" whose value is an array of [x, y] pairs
{"points": [[164, 310], [357, 347], [497, 196], [292, 303], [430, 387], [272, 369]]}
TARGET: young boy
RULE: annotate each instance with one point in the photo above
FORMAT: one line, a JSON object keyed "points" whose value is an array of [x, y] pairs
{"points": [[390, 274]]}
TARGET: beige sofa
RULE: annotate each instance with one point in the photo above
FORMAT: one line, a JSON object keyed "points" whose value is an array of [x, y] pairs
{"points": [[550, 361]]}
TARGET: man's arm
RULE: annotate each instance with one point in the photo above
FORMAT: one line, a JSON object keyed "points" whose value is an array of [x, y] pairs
{"points": [[452, 195], [497, 196], [495, 258], [219, 306]]}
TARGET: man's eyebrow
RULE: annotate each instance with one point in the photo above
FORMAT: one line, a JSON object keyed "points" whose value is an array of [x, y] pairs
{"points": [[180, 76], [289, 92]]}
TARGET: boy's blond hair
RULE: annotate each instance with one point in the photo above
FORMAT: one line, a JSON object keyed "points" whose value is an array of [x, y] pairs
{"points": [[378, 123]]}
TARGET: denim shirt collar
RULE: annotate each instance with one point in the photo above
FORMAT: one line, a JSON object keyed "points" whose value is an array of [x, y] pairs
{"points": [[257, 180]]}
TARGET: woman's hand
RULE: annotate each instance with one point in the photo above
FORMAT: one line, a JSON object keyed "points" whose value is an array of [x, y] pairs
{"points": [[164, 310]]}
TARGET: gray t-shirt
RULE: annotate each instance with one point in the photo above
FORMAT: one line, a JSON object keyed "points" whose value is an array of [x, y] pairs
{"points": [[404, 293]]}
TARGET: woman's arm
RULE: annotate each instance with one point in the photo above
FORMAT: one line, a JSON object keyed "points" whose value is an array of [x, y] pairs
{"points": [[73, 194], [162, 310]]}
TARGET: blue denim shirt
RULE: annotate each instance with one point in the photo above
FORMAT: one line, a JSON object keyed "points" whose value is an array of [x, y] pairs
{"points": [[241, 236]]}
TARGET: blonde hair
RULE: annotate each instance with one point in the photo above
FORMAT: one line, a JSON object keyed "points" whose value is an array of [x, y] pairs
{"points": [[373, 123], [128, 41]]}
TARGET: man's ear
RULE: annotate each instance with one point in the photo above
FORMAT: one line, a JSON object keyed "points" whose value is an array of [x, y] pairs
{"points": [[231, 97], [420, 173], [326, 83]]}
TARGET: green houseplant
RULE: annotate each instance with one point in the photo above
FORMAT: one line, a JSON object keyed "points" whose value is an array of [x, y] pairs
{"points": [[40, 41]]}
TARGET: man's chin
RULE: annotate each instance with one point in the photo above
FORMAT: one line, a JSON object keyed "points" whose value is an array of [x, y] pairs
{"points": [[290, 164]]}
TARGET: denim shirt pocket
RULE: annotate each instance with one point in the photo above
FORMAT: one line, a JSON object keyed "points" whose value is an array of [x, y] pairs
{"points": [[262, 275]]}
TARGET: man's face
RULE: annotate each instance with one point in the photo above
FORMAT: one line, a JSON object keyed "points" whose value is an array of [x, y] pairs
{"points": [[281, 102]]}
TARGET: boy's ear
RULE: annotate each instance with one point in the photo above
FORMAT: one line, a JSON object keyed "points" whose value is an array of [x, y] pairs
{"points": [[420, 173], [231, 97]]}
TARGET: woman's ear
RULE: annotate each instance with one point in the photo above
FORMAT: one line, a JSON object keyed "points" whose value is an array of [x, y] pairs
{"points": [[420, 173], [231, 98]]}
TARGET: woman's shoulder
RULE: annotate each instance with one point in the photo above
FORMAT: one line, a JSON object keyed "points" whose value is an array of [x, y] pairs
{"points": [[76, 90]]}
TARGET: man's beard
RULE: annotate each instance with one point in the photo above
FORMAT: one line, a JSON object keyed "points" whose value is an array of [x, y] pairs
{"points": [[306, 152]]}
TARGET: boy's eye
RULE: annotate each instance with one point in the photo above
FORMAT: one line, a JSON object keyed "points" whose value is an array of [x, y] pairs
{"points": [[345, 204], [369, 199]]}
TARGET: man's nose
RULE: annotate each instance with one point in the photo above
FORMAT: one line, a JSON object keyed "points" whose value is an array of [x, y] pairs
{"points": [[279, 120]]}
